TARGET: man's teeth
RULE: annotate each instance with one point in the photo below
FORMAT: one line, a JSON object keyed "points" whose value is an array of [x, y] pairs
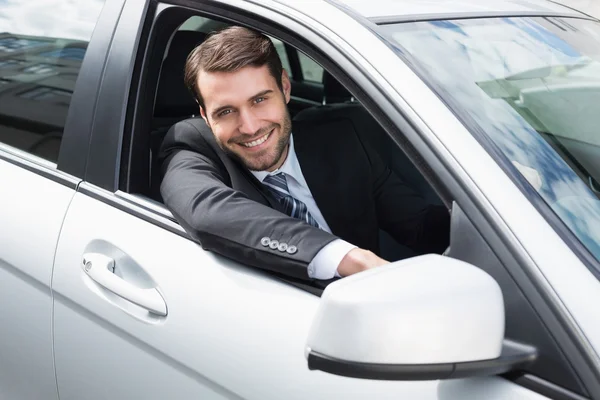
{"points": [[258, 141]]}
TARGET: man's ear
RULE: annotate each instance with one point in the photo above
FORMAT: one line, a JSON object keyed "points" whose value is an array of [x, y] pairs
{"points": [[203, 115], [286, 85]]}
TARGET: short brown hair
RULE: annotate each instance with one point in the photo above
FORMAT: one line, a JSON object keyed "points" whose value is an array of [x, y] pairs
{"points": [[229, 50]]}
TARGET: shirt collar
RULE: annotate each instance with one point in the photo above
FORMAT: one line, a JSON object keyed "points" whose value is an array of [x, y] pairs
{"points": [[290, 167]]}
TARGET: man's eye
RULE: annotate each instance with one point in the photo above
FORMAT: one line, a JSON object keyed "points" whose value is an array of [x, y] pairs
{"points": [[224, 113], [259, 99]]}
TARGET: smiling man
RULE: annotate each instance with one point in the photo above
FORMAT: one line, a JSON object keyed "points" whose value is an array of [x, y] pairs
{"points": [[307, 204]]}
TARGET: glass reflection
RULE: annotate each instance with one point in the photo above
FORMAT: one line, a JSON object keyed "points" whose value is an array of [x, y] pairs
{"points": [[532, 85], [42, 46]]}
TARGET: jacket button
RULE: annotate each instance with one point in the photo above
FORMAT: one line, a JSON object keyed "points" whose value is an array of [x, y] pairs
{"points": [[265, 241], [292, 249], [273, 244], [282, 247]]}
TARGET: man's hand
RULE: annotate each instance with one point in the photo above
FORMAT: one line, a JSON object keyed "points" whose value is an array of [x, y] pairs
{"points": [[358, 260]]}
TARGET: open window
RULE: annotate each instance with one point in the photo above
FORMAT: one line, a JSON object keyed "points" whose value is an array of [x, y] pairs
{"points": [[311, 101]]}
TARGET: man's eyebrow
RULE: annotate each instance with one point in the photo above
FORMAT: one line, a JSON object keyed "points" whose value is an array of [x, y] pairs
{"points": [[261, 94]]}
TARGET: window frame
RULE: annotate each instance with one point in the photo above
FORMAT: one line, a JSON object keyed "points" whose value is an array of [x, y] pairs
{"points": [[75, 149], [292, 55]]}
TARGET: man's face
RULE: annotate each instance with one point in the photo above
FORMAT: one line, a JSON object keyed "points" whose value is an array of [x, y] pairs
{"points": [[248, 115]]}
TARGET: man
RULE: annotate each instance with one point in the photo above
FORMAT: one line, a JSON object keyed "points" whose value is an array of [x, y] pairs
{"points": [[307, 204]]}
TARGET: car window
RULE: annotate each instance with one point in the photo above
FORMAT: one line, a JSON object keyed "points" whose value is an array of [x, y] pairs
{"points": [[311, 71], [532, 86], [42, 45], [280, 47]]}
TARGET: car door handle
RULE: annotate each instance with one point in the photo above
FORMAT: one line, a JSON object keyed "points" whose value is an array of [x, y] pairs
{"points": [[100, 269]]}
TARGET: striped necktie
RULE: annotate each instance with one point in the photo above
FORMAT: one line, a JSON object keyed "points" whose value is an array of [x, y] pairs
{"points": [[277, 186]]}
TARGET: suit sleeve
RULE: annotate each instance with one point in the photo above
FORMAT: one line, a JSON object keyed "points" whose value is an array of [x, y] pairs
{"points": [[406, 215], [227, 222]]}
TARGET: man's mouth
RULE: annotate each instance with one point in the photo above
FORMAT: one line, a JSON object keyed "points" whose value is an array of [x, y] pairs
{"points": [[258, 141]]}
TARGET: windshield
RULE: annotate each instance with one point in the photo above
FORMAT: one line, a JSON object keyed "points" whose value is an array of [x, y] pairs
{"points": [[532, 86]]}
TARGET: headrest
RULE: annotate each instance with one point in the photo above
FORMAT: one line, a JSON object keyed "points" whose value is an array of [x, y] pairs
{"points": [[333, 91], [173, 99]]}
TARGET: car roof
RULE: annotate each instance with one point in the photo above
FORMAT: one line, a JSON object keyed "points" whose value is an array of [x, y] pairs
{"points": [[402, 10]]}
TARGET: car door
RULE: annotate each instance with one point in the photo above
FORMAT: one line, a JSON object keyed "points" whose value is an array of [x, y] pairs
{"points": [[38, 71], [32, 206]]}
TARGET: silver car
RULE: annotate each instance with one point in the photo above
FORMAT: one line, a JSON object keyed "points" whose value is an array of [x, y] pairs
{"points": [[490, 108]]}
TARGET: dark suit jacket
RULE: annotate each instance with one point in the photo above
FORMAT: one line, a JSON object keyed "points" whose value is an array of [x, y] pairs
{"points": [[228, 211]]}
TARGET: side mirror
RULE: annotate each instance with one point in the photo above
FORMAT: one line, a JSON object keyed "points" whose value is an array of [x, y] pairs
{"points": [[424, 318]]}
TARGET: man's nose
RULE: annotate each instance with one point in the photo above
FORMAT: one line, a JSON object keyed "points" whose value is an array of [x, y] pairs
{"points": [[249, 123]]}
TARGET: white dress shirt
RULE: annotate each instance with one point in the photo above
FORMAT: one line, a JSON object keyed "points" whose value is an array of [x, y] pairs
{"points": [[324, 264]]}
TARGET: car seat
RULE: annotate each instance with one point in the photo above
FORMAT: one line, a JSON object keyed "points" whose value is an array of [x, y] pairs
{"points": [[339, 103], [173, 102]]}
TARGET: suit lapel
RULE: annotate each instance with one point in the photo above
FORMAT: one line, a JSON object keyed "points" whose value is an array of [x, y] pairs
{"points": [[319, 171]]}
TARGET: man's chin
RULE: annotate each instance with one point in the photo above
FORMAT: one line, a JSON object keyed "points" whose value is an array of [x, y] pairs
{"points": [[256, 163], [255, 166]]}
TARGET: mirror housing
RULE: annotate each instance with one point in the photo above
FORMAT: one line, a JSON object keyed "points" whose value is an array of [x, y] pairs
{"points": [[423, 318]]}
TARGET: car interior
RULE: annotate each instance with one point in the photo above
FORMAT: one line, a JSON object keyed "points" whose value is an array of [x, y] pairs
{"points": [[174, 103]]}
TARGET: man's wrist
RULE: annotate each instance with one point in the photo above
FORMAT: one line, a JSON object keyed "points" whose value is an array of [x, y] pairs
{"points": [[324, 265]]}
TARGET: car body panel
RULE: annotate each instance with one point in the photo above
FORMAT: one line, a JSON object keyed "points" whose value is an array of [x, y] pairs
{"points": [[230, 332], [489, 388], [33, 207], [431, 8]]}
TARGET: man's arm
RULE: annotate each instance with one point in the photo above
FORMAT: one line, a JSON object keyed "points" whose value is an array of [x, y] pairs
{"points": [[226, 221]]}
